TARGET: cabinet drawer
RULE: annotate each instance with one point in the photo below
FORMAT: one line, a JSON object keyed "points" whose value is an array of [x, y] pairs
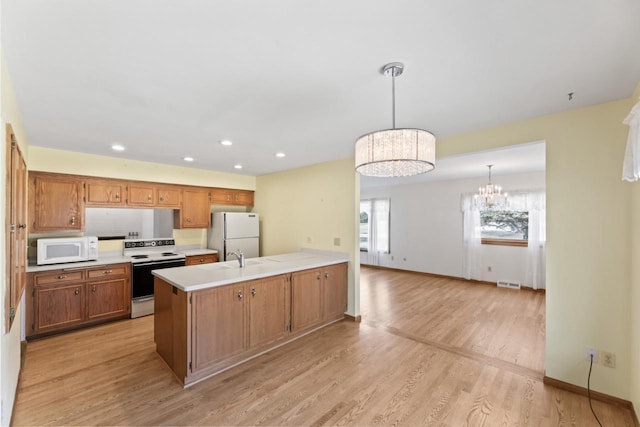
{"points": [[107, 271], [201, 259], [58, 277]]}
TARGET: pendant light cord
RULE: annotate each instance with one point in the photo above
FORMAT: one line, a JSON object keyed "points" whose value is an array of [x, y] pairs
{"points": [[393, 97]]}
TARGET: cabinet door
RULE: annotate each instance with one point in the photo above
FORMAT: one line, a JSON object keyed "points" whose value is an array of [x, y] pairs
{"points": [[104, 192], [201, 259], [267, 310], [169, 197], [217, 325], [55, 203], [221, 196], [140, 195], [334, 291], [58, 306], [306, 299], [109, 298], [243, 198], [196, 209]]}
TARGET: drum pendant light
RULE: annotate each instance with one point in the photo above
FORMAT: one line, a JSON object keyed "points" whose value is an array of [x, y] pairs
{"points": [[395, 152]]}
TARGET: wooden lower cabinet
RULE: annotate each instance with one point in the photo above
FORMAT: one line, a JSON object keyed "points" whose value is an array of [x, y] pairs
{"points": [[218, 326], [201, 259], [58, 306], [60, 300], [201, 333], [268, 306], [306, 299]]}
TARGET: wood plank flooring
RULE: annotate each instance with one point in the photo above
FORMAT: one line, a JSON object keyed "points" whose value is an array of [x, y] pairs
{"points": [[429, 352]]}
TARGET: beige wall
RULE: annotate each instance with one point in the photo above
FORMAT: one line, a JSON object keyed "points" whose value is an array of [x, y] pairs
{"points": [[635, 287], [9, 343], [309, 208], [588, 232]]}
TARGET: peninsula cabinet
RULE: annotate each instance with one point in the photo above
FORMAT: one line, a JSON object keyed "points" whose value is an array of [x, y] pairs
{"points": [[64, 299], [200, 333], [55, 203], [101, 192]]}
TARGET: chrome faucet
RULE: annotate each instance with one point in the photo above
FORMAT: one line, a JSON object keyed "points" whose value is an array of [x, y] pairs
{"points": [[238, 254]]}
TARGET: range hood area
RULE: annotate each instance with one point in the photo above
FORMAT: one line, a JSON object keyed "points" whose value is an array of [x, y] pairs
{"points": [[119, 223]]}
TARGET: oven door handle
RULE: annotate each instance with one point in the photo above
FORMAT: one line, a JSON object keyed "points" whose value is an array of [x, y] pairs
{"points": [[158, 263], [143, 299]]}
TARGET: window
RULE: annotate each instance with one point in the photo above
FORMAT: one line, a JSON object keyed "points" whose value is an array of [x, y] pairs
{"points": [[374, 225], [509, 228]]}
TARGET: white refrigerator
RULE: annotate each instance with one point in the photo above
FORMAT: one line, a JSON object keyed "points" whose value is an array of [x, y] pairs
{"points": [[231, 231]]}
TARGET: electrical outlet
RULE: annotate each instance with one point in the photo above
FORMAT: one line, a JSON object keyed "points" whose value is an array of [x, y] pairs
{"points": [[489, 269], [336, 241], [608, 359], [592, 352]]}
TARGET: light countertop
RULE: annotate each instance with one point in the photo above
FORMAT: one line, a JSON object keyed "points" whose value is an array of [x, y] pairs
{"points": [[197, 277], [102, 260], [191, 252]]}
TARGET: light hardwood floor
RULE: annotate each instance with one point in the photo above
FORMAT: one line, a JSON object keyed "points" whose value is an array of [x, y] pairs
{"points": [[429, 352]]}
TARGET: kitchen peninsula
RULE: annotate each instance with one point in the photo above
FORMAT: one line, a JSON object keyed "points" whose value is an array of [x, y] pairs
{"points": [[211, 317]]}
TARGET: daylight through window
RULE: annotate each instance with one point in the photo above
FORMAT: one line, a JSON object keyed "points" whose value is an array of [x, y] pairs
{"points": [[505, 227], [374, 225]]}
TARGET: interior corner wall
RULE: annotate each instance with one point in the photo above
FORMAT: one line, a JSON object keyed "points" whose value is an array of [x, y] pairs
{"points": [[426, 228], [635, 297], [9, 342], [311, 207], [588, 239]]}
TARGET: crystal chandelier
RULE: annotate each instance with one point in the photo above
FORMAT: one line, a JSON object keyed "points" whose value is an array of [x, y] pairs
{"points": [[490, 196], [395, 152]]}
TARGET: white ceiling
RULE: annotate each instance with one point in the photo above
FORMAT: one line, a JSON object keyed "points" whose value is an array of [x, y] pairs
{"points": [[169, 78]]}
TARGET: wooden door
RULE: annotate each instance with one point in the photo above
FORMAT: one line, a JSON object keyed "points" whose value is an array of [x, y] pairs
{"points": [[57, 203], [169, 197], [196, 209], [334, 291], [243, 197], [221, 196], [58, 306], [217, 325], [267, 310], [306, 299], [103, 192], [109, 298], [140, 194], [16, 218]]}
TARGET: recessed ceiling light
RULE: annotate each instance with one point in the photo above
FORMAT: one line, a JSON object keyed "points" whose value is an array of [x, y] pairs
{"points": [[238, 166], [226, 142], [117, 147], [187, 159], [280, 154]]}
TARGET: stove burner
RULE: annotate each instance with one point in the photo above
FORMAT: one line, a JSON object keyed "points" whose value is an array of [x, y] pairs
{"points": [[168, 254], [139, 256]]}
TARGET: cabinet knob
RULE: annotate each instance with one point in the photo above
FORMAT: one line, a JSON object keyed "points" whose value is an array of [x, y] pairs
{"points": [[62, 277], [326, 275], [117, 196], [161, 199], [318, 277], [253, 292], [108, 271], [76, 292], [22, 225], [240, 295], [72, 221], [201, 259], [188, 219], [93, 289]]}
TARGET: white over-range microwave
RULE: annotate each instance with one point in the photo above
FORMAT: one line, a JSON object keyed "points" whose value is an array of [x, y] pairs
{"points": [[67, 249]]}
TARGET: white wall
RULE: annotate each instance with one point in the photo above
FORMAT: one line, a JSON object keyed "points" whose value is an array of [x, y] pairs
{"points": [[426, 228]]}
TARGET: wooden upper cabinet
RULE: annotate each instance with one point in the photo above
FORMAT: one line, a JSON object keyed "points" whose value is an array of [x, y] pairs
{"points": [[196, 209], [55, 202], [141, 194], [168, 196], [105, 192], [227, 196]]}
